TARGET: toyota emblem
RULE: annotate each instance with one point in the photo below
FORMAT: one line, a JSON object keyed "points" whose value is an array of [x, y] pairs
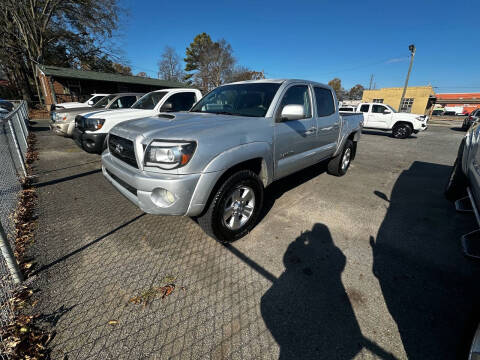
{"points": [[118, 148]]}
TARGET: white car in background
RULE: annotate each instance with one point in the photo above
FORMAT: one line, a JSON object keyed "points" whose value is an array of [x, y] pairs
{"points": [[383, 117], [91, 129], [90, 102]]}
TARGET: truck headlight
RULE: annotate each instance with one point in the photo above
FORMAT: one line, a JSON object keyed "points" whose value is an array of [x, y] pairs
{"points": [[169, 155], [94, 124]]}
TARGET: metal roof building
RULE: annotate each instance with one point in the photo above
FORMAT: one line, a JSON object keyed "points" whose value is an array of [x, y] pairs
{"points": [[65, 84]]}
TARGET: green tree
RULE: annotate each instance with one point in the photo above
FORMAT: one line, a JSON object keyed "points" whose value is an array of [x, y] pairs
{"points": [[209, 64], [356, 92]]}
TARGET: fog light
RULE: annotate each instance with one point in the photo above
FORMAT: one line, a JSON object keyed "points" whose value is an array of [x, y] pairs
{"points": [[162, 197]]}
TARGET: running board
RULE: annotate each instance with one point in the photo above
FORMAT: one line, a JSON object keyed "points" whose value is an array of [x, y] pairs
{"points": [[471, 244], [464, 205]]}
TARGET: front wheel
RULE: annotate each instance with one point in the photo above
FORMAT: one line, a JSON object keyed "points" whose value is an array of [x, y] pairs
{"points": [[402, 131], [235, 207]]}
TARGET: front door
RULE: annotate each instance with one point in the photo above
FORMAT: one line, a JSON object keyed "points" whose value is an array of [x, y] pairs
{"points": [[378, 118], [295, 140]]}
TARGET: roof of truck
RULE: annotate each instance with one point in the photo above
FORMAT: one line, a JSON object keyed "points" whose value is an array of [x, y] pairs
{"points": [[277, 81]]}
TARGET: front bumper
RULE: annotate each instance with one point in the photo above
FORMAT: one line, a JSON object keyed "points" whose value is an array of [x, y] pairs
{"points": [[62, 128], [90, 142], [141, 187]]}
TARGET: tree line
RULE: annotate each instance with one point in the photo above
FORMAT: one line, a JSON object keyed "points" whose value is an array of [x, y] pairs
{"points": [[77, 34], [208, 64]]}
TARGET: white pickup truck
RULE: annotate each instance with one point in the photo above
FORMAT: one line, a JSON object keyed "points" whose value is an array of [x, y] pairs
{"points": [[92, 128], [90, 102], [384, 117]]}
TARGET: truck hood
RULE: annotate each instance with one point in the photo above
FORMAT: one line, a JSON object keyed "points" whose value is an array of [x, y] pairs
{"points": [[192, 126], [406, 116], [121, 114]]}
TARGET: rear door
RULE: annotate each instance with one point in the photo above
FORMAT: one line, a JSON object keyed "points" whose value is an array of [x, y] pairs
{"points": [[328, 122], [295, 140]]}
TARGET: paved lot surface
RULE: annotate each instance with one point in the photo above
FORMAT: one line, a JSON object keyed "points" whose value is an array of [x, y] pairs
{"points": [[364, 266]]}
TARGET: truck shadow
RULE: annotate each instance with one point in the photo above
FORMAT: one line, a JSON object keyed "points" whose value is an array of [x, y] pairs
{"points": [[430, 289], [307, 309], [279, 187]]}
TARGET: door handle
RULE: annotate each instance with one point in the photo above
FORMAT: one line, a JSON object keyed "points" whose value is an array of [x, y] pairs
{"points": [[310, 131]]}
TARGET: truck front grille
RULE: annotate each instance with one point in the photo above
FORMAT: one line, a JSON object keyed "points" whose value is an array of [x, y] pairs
{"points": [[122, 149], [80, 122]]}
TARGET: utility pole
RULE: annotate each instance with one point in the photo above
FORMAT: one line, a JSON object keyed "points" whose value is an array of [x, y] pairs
{"points": [[412, 52], [371, 81]]}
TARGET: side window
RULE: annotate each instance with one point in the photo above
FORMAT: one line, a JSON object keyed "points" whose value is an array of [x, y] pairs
{"points": [[181, 101], [325, 104], [298, 95], [364, 108], [126, 101], [378, 109]]}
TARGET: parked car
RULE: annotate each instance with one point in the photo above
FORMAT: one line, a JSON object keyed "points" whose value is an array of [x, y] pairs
{"points": [[90, 102], [463, 186], [63, 121], [437, 112], [453, 110], [91, 129], [214, 161], [7, 105], [383, 117], [471, 119]]}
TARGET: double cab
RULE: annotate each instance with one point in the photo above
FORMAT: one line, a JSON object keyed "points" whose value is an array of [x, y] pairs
{"points": [[214, 162]]}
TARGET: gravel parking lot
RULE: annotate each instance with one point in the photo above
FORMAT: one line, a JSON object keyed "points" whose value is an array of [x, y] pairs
{"points": [[364, 266]]}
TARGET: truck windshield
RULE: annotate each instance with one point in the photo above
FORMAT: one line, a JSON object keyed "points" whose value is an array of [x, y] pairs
{"points": [[149, 101], [102, 103], [391, 109], [250, 99]]}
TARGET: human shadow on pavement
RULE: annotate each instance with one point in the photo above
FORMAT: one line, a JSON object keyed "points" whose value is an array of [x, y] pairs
{"points": [[307, 309], [430, 289]]}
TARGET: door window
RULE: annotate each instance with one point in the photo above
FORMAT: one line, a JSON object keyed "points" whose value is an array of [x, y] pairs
{"points": [[378, 109], [123, 102], [182, 101], [298, 95], [364, 108], [325, 104]]}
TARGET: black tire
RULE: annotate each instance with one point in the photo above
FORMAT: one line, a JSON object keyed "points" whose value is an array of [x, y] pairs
{"points": [[336, 164], [456, 187], [402, 131], [212, 220]]}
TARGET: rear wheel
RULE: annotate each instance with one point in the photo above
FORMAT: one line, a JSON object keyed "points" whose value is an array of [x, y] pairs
{"points": [[402, 131], [339, 165], [457, 182], [235, 207]]}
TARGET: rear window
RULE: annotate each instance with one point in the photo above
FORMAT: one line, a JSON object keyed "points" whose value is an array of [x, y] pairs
{"points": [[325, 104]]}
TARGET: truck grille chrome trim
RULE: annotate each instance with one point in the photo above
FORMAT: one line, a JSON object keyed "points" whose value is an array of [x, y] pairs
{"points": [[122, 149]]}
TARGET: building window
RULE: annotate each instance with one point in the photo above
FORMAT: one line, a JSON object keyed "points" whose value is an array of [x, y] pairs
{"points": [[406, 105], [380, 101]]}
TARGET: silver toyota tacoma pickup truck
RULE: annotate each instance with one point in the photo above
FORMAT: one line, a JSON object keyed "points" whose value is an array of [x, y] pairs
{"points": [[213, 162]]}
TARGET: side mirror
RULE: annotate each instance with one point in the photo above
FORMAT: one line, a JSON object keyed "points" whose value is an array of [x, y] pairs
{"points": [[168, 106], [386, 111], [90, 102], [292, 112]]}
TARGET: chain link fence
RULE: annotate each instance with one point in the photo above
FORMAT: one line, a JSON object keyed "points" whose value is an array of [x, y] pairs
{"points": [[13, 151]]}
